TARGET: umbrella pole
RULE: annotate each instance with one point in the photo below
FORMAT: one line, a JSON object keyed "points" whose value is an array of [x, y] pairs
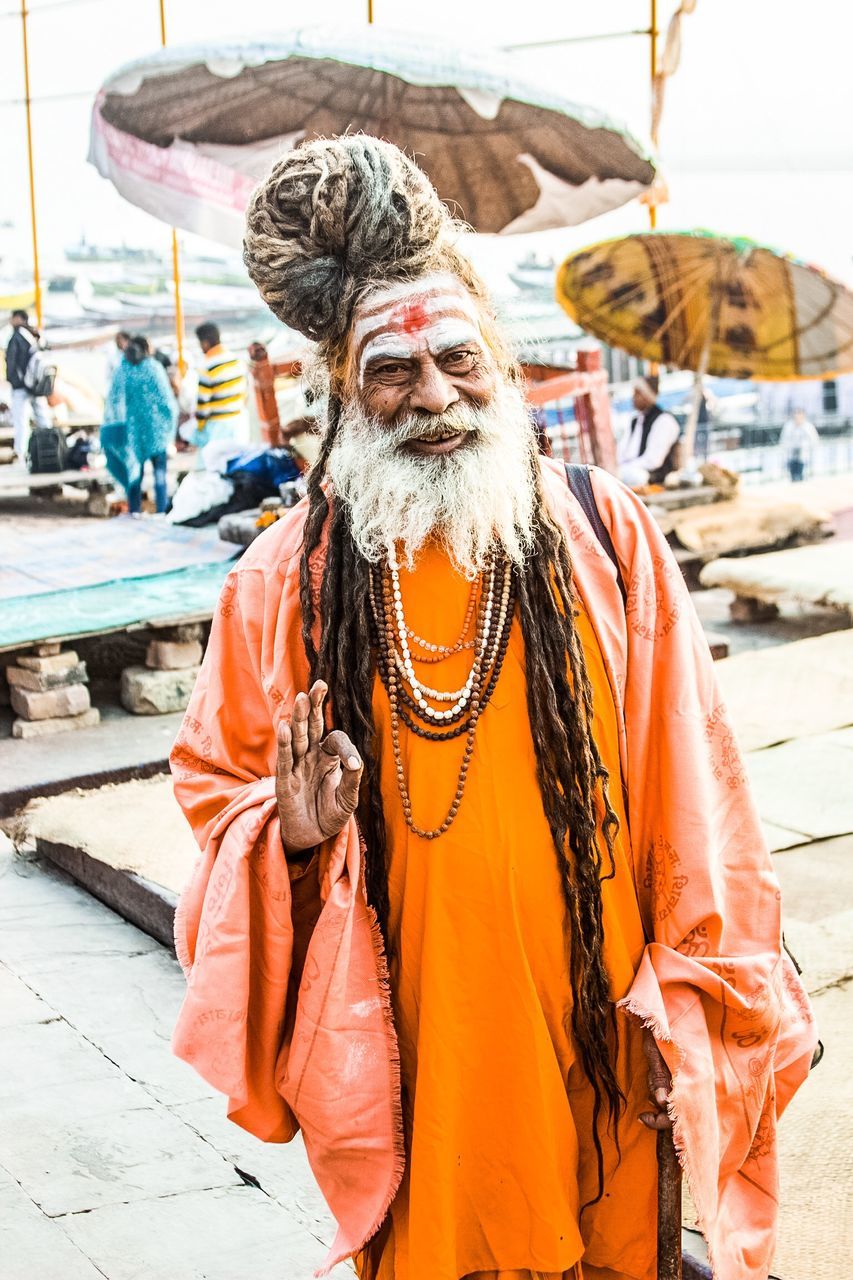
{"points": [[176, 257], [33, 220], [653, 33], [693, 417]]}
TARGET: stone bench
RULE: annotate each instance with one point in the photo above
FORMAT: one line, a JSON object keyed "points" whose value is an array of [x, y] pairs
{"points": [[820, 575]]}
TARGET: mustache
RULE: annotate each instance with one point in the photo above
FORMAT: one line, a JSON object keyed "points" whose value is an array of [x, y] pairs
{"points": [[458, 419]]}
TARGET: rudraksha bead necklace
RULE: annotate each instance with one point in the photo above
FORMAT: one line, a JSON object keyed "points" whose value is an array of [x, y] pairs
{"points": [[490, 643]]}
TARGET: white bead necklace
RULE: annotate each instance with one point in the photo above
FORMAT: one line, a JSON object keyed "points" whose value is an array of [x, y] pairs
{"points": [[403, 657]]}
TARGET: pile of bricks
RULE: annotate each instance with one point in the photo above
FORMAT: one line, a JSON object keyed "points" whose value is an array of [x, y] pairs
{"points": [[166, 681], [48, 691]]}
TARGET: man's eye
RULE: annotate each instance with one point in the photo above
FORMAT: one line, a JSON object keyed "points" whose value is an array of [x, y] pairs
{"points": [[390, 372], [461, 360]]}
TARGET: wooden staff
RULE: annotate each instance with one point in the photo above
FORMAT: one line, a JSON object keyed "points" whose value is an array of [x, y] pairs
{"points": [[669, 1208]]}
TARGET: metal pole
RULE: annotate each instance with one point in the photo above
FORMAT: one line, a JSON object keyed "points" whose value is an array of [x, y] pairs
{"points": [[653, 35], [36, 273], [176, 259], [370, 11]]}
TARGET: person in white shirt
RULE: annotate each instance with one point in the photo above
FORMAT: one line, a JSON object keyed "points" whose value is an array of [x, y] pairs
{"points": [[647, 452], [25, 404], [798, 441]]}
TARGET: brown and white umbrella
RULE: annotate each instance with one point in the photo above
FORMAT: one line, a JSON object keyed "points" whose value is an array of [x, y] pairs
{"points": [[187, 133]]}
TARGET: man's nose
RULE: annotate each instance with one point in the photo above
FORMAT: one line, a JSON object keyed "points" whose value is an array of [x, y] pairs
{"points": [[433, 392]]}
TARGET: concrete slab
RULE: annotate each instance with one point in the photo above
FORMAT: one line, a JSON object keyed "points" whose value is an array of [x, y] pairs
{"points": [[214, 1235], [50, 1054], [282, 1169], [19, 1005], [44, 946], [804, 786], [780, 838], [821, 575], [816, 1155], [791, 691], [121, 746], [824, 949], [158, 845], [816, 879], [143, 903], [117, 1157], [32, 1245]]}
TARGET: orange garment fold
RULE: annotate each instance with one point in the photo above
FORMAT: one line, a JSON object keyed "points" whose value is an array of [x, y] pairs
{"points": [[724, 1002], [497, 1109]]}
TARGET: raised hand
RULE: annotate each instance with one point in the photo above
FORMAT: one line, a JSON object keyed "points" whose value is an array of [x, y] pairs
{"points": [[660, 1084], [317, 777]]}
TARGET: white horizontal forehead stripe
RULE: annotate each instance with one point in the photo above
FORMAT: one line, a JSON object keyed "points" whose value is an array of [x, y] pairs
{"points": [[430, 304]]}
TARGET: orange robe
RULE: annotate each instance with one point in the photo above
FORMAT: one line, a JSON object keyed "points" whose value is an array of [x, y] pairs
{"points": [[294, 1025], [497, 1110]]}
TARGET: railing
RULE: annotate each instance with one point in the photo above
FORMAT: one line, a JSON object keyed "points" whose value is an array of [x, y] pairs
{"points": [[753, 448]]}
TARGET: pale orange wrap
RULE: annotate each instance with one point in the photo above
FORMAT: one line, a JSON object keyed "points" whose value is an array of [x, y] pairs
{"points": [[316, 1046]]}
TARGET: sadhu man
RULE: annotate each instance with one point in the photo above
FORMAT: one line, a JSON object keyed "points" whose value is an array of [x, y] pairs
{"points": [[480, 866]]}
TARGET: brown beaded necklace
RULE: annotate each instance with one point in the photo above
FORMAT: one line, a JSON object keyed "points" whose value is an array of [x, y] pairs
{"points": [[490, 645], [438, 652]]}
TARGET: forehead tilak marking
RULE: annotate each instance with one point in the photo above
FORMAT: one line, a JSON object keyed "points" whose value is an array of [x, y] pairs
{"points": [[444, 331]]}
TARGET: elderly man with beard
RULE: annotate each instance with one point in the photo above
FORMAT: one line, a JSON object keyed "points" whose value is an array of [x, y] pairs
{"points": [[479, 865]]}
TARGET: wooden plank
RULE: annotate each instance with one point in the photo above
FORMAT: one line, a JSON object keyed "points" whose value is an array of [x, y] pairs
{"points": [[19, 480]]}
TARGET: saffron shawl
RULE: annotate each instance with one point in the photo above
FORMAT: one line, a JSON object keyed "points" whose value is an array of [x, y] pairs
{"points": [[287, 1009]]}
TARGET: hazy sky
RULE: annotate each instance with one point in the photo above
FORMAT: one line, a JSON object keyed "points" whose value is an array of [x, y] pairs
{"points": [[756, 136]]}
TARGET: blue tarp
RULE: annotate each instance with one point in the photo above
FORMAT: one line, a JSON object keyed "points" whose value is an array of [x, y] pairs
{"points": [[108, 606]]}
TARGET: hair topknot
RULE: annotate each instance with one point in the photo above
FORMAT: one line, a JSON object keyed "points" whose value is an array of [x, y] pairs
{"points": [[333, 216]]}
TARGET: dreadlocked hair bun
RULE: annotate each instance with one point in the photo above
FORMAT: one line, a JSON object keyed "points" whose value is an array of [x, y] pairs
{"points": [[334, 216]]}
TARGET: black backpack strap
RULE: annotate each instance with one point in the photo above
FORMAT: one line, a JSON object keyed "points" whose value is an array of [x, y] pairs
{"points": [[580, 483]]}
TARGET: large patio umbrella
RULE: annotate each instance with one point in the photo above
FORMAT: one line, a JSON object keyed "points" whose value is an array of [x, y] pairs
{"points": [[187, 133], [700, 301]]}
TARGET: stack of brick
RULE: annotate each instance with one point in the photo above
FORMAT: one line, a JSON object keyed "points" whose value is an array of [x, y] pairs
{"points": [[48, 692], [166, 681]]}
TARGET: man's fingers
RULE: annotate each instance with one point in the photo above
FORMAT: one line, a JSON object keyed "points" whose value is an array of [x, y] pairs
{"points": [[284, 766], [338, 744], [346, 794], [657, 1120], [299, 726], [316, 698]]}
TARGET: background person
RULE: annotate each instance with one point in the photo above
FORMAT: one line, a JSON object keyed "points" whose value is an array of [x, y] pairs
{"points": [[647, 453], [115, 353], [139, 422], [23, 342], [221, 412], [798, 441]]}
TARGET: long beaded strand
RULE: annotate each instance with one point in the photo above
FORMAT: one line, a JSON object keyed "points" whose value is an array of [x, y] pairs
{"points": [[490, 646]]}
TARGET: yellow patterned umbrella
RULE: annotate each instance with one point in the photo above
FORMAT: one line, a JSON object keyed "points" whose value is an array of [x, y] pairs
{"points": [[699, 301], [694, 299]]}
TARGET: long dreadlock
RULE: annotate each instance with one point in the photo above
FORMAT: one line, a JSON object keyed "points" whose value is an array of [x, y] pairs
{"points": [[572, 778]]}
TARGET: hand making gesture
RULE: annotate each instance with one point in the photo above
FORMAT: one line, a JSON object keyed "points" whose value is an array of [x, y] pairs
{"points": [[317, 777]]}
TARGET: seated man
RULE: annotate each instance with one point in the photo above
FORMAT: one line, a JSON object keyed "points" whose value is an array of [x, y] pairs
{"points": [[459, 919], [649, 450]]}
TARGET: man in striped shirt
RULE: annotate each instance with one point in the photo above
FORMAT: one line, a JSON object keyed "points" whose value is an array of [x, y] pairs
{"points": [[221, 412]]}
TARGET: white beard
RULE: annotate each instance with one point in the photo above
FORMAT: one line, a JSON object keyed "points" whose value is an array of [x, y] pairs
{"points": [[477, 500]]}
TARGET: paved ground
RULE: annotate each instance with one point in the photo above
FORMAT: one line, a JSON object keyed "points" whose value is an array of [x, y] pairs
{"points": [[115, 1160]]}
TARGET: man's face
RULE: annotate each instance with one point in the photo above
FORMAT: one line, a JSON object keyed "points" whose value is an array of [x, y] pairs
{"points": [[641, 400], [16, 321], [417, 350]]}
